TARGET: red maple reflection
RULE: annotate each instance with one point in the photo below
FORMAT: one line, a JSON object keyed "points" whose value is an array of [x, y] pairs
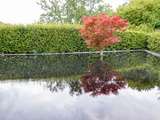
{"points": [[101, 79]]}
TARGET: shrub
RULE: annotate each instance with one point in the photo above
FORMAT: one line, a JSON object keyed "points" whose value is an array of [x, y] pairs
{"points": [[131, 40], [57, 38], [40, 38], [141, 28], [157, 25], [99, 31], [154, 41], [141, 11]]}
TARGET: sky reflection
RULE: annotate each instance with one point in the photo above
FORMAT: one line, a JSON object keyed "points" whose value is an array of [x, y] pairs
{"points": [[32, 101]]}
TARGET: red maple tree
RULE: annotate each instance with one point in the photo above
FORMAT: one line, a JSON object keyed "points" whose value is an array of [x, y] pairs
{"points": [[99, 31]]}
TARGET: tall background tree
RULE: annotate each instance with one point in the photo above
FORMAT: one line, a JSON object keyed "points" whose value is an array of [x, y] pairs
{"points": [[70, 11], [139, 12]]}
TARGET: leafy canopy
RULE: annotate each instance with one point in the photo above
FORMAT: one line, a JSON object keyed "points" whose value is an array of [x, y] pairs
{"points": [[70, 11], [139, 12], [99, 31]]}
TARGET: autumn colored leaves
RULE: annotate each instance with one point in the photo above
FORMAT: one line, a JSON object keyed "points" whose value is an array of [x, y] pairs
{"points": [[100, 31]]}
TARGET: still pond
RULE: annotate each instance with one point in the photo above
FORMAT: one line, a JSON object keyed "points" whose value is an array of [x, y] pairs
{"points": [[124, 86]]}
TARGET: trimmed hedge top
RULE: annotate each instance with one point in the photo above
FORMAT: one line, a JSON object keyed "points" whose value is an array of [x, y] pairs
{"points": [[58, 38], [40, 38]]}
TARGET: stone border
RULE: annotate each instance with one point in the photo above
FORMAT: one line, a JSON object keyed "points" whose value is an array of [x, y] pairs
{"points": [[70, 53], [76, 53], [153, 53]]}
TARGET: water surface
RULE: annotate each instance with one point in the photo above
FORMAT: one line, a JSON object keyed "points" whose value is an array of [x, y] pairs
{"points": [[124, 86]]}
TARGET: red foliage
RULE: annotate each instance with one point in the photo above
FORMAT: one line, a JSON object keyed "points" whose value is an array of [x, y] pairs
{"points": [[99, 31], [101, 79]]}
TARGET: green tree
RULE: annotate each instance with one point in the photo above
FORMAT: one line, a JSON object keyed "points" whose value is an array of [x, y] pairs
{"points": [[141, 12], [70, 11]]}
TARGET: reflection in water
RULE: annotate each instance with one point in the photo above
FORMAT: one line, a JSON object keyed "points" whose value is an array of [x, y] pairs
{"points": [[74, 87], [60, 85], [30, 101], [101, 79], [159, 94], [65, 91], [58, 66], [55, 86]]}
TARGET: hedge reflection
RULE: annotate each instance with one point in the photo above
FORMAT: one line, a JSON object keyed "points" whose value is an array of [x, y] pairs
{"points": [[99, 79], [140, 70], [57, 66], [144, 78], [60, 85]]}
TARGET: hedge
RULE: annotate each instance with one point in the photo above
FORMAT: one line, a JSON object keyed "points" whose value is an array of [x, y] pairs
{"points": [[131, 40], [57, 38], [154, 41], [40, 38]]}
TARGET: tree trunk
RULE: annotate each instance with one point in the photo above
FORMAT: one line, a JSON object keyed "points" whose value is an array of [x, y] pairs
{"points": [[101, 55]]}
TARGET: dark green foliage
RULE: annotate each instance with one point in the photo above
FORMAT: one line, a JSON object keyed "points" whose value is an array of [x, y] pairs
{"points": [[154, 61], [143, 16], [54, 66], [66, 66], [141, 74], [139, 69], [141, 11], [143, 78], [157, 25], [125, 59]]}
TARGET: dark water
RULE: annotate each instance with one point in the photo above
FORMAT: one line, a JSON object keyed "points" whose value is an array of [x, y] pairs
{"points": [[124, 86]]}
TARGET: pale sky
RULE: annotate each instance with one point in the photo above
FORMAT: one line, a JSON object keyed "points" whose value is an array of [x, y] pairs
{"points": [[27, 11]]}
